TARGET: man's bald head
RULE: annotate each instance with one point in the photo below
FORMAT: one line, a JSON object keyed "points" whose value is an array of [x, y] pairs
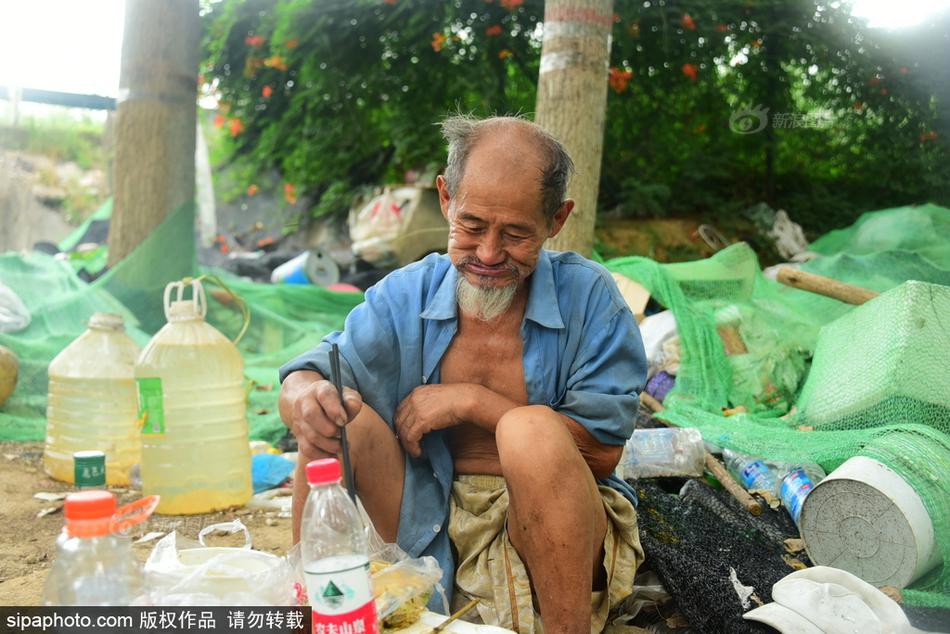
{"points": [[519, 141]]}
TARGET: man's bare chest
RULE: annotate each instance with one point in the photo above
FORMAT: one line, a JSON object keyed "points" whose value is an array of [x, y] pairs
{"points": [[489, 358]]}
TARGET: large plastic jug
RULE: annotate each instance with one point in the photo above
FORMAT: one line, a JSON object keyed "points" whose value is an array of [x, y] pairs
{"points": [[92, 402], [190, 380]]}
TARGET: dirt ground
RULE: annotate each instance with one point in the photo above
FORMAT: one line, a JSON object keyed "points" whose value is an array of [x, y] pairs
{"points": [[27, 542]]}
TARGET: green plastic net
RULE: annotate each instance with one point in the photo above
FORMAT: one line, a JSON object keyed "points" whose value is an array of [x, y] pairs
{"points": [[878, 385], [285, 319]]}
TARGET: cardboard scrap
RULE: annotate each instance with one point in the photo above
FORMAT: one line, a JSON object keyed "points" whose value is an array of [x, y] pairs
{"points": [[634, 294]]}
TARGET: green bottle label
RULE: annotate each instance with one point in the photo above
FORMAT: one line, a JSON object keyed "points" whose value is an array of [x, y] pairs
{"points": [[151, 407]]}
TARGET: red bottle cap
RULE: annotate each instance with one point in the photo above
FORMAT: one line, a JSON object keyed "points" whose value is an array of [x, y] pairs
{"points": [[89, 505], [324, 471]]}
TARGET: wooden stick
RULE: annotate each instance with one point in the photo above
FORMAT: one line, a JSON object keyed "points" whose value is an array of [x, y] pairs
{"points": [[715, 467], [826, 286], [462, 612]]}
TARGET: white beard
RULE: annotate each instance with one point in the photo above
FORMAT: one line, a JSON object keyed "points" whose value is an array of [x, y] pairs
{"points": [[484, 303]]}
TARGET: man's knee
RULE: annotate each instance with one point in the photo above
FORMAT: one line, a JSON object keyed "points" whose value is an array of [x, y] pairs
{"points": [[534, 437]]}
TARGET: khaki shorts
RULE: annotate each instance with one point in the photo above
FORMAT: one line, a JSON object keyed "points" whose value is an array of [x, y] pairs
{"points": [[490, 569]]}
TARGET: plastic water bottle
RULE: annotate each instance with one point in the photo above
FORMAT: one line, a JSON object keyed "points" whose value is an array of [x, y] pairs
{"points": [[797, 484], [93, 566], [663, 452], [334, 552], [751, 472]]}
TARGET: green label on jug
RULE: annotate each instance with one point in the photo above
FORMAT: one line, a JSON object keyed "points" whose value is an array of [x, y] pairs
{"points": [[151, 406]]}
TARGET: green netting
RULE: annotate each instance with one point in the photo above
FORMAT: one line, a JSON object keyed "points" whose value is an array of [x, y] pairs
{"points": [[897, 412], [285, 320]]}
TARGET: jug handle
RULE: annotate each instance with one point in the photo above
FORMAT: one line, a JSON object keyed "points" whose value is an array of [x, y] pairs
{"points": [[197, 296]]}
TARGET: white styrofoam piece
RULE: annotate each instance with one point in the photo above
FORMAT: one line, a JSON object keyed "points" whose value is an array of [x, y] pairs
{"points": [[865, 519]]}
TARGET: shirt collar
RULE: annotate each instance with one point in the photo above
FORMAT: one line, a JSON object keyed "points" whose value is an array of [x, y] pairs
{"points": [[542, 307]]}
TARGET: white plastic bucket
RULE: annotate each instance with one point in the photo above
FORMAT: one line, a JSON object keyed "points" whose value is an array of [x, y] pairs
{"points": [[865, 519]]}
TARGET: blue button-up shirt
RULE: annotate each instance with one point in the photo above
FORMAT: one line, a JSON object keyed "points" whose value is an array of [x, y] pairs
{"points": [[582, 357]]}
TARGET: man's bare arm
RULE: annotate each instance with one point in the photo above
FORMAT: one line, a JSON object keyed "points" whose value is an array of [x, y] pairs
{"points": [[440, 406]]}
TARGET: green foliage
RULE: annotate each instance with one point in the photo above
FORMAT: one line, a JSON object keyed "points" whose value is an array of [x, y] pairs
{"points": [[337, 94]]}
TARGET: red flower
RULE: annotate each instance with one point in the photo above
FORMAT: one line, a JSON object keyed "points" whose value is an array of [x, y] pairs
{"points": [[275, 61], [219, 120], [266, 92], [292, 43], [390, 2], [290, 194], [438, 42], [493, 30], [254, 40], [691, 71], [618, 79], [616, 18], [757, 43], [903, 70], [236, 126], [857, 105], [504, 53], [722, 28], [928, 136], [874, 81], [883, 92], [687, 22], [252, 189], [511, 5]]}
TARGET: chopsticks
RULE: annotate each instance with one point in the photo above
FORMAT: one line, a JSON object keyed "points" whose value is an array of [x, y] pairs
{"points": [[336, 377]]}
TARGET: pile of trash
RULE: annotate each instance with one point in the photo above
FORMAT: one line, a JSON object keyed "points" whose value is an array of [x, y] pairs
{"points": [[834, 415]]}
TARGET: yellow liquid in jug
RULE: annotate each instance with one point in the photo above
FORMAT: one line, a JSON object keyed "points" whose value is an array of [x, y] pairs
{"points": [[202, 461], [92, 403], [91, 414]]}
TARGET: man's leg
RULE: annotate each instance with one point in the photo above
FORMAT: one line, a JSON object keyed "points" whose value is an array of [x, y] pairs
{"points": [[556, 519], [378, 469]]}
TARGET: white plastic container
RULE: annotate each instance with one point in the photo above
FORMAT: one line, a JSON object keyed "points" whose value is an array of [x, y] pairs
{"points": [[865, 519], [190, 380], [92, 402]]}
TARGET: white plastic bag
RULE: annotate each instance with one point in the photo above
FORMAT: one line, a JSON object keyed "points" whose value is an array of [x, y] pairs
{"points": [[14, 315], [218, 576]]}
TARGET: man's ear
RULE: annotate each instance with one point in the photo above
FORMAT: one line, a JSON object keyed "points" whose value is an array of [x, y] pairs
{"points": [[444, 197], [560, 217]]}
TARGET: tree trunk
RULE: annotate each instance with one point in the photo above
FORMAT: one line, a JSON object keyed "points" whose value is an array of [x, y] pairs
{"points": [[572, 101], [155, 119]]}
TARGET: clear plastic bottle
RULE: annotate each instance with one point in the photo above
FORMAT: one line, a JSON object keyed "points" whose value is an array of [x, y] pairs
{"points": [[190, 380], [92, 402], [797, 483], [93, 565], [751, 472], [334, 552], [652, 453]]}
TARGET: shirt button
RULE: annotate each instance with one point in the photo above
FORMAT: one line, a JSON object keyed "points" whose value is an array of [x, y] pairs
{"points": [[436, 528]]}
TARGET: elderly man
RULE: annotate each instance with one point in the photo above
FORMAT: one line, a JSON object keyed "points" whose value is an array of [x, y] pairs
{"points": [[489, 394]]}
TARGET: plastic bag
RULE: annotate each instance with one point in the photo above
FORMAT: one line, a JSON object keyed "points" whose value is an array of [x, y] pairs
{"points": [[403, 588], [14, 315], [206, 575]]}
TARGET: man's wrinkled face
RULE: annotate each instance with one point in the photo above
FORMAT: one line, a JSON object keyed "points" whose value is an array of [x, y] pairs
{"points": [[496, 223]]}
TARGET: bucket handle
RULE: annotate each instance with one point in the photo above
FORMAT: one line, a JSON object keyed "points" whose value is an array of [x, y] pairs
{"points": [[197, 297], [226, 527]]}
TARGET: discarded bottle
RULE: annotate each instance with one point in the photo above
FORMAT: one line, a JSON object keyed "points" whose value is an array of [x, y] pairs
{"points": [[752, 473], [190, 380], [92, 402], [94, 565], [663, 452], [334, 552], [796, 485]]}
